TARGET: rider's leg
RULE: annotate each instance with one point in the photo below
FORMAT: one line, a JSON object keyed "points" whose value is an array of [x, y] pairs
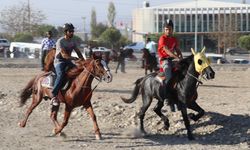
{"points": [[60, 71], [167, 66]]}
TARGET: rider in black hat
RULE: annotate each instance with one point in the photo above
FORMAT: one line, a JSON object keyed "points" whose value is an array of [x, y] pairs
{"points": [[64, 46]]}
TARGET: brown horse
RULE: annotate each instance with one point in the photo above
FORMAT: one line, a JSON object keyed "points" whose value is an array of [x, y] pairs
{"points": [[150, 62], [78, 94]]}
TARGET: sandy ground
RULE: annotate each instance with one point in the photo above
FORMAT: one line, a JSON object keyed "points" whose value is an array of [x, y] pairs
{"points": [[226, 124]]}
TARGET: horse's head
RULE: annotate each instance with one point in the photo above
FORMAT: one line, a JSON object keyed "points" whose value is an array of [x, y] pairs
{"points": [[101, 70], [202, 64]]}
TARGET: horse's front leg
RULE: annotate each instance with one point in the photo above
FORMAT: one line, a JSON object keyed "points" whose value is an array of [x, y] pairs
{"points": [[194, 106], [90, 110], [67, 112], [186, 122], [157, 110], [53, 115]]}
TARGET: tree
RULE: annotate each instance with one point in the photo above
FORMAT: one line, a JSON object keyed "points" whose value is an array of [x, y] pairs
{"points": [[99, 29], [23, 37], [20, 18], [111, 36], [42, 29], [93, 23], [111, 14], [244, 42]]}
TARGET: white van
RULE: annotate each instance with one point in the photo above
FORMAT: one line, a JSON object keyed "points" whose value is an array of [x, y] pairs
{"points": [[25, 50]]}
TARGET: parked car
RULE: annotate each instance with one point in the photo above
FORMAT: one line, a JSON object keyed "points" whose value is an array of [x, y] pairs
{"points": [[236, 50], [101, 49], [217, 58], [240, 61], [4, 46], [137, 46], [4, 43]]}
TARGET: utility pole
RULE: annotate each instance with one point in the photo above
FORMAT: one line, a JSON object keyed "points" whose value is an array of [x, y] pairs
{"points": [[84, 23], [195, 34], [28, 8], [84, 29]]}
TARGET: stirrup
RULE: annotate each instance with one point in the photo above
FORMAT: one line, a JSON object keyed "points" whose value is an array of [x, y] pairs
{"points": [[54, 101]]}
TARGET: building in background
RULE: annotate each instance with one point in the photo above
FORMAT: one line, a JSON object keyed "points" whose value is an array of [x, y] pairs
{"points": [[219, 24]]}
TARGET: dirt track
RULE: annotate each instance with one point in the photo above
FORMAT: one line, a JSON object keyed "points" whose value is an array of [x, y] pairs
{"points": [[226, 124]]}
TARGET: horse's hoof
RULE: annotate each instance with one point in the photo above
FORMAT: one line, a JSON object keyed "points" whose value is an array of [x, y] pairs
{"points": [[21, 124], [56, 131], [98, 137], [62, 134], [166, 127], [192, 116]]}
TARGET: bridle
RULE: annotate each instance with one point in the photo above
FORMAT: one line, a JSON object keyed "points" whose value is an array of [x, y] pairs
{"points": [[99, 79]]}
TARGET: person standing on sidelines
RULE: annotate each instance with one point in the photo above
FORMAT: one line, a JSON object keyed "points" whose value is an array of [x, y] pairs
{"points": [[150, 45], [47, 44]]}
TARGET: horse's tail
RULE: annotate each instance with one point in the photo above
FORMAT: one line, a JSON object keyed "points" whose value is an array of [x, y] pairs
{"points": [[26, 92], [135, 92]]}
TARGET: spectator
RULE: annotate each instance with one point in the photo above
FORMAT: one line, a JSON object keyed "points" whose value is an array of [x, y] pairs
{"points": [[121, 60], [47, 44]]}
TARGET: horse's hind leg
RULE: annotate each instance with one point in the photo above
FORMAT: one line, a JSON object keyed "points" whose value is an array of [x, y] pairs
{"points": [[146, 103], [93, 116], [194, 106], [36, 99], [157, 110]]}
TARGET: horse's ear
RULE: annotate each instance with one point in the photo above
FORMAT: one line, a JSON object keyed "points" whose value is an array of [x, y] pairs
{"points": [[192, 50], [203, 50]]}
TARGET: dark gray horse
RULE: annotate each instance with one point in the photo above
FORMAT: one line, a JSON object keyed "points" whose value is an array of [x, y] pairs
{"points": [[181, 90]]}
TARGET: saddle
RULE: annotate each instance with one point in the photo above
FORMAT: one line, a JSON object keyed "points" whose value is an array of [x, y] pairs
{"points": [[49, 80]]}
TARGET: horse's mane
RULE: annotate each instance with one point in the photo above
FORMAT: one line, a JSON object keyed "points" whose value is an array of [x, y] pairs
{"points": [[183, 64], [181, 70], [80, 65]]}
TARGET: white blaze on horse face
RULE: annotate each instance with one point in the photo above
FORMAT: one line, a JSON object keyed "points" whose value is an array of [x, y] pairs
{"points": [[200, 60]]}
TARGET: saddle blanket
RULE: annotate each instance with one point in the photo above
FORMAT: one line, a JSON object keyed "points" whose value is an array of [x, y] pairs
{"points": [[49, 80]]}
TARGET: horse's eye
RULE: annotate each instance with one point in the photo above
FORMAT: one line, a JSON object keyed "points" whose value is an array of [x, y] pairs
{"points": [[199, 61]]}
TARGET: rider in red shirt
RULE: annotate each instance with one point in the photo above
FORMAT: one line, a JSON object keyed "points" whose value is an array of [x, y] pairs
{"points": [[168, 49]]}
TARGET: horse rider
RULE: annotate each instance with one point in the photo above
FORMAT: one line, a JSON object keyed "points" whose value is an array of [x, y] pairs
{"points": [[168, 50], [47, 44], [64, 47]]}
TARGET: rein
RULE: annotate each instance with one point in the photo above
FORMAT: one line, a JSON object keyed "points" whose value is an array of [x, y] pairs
{"points": [[198, 80], [98, 79]]}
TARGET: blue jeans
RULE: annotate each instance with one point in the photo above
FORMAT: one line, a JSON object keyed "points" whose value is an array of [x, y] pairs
{"points": [[167, 66], [60, 75]]}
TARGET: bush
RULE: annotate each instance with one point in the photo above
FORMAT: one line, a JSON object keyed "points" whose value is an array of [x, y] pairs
{"points": [[244, 42]]}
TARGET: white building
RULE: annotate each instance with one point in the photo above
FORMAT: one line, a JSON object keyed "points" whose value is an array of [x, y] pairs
{"points": [[213, 17]]}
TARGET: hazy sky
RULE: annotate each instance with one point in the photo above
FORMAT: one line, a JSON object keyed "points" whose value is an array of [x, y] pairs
{"points": [[59, 12]]}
